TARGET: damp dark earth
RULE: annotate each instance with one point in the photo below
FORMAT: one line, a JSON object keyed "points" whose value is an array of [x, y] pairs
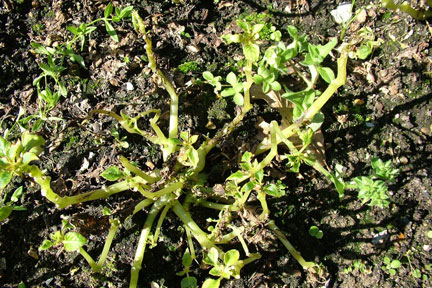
{"points": [[215, 143]]}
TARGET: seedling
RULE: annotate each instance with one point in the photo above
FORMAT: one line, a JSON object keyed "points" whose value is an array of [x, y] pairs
{"points": [[73, 241], [373, 188], [314, 231], [48, 94], [391, 265]]}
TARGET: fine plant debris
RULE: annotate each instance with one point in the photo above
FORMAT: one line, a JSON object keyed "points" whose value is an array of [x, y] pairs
{"points": [[215, 144]]}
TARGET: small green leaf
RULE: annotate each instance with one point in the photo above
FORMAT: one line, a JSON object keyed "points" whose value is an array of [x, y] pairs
{"points": [[17, 194], [326, 73], [238, 99], [112, 173], [184, 135], [259, 175], [274, 190], [46, 244], [292, 31], [231, 78], [189, 282], [73, 241], [246, 157], [5, 178], [111, 32], [364, 51], [231, 38], [211, 283], [207, 75], [257, 28], [74, 30], [416, 273], [30, 141], [395, 264], [228, 92], [125, 12], [231, 257], [251, 52], [108, 10], [429, 234], [40, 49], [4, 146], [193, 157], [187, 259], [78, 59], [212, 257], [5, 211]]}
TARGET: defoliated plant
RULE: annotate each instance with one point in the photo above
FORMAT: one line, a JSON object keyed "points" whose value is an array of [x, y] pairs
{"points": [[180, 184]]}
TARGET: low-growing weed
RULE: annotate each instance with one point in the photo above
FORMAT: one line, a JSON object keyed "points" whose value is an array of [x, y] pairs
{"points": [[181, 184]]}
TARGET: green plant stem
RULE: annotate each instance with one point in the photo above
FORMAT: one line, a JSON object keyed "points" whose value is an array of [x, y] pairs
{"points": [[316, 106], [141, 205], [261, 196], [249, 81], [44, 182], [89, 259], [237, 231], [159, 224], [165, 82], [407, 8], [212, 205], [190, 242], [154, 195], [196, 231], [137, 171], [145, 232], [98, 194], [306, 265], [111, 233]]}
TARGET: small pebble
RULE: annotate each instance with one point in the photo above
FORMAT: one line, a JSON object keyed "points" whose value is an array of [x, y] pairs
{"points": [[426, 248], [403, 160], [129, 86], [425, 130]]}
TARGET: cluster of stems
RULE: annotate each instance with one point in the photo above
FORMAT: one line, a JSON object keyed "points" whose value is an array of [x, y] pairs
{"points": [[161, 200]]}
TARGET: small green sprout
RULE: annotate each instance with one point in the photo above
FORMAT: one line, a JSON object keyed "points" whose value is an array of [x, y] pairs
{"points": [[235, 90], [188, 281], [314, 231], [373, 188], [391, 265]]}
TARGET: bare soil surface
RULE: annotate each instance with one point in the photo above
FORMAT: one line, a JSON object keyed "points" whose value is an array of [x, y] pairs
{"points": [[384, 111]]}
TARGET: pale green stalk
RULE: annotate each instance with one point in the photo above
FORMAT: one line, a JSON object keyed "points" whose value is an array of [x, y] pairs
{"points": [[89, 259], [145, 232], [165, 82], [317, 105], [159, 224], [154, 195], [196, 231], [237, 233], [111, 233], [306, 265], [135, 170]]}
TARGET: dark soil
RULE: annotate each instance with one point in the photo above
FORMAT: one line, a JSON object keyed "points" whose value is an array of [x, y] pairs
{"points": [[384, 111]]}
